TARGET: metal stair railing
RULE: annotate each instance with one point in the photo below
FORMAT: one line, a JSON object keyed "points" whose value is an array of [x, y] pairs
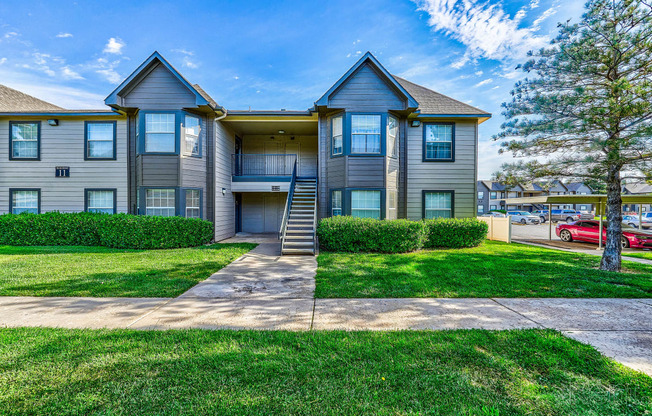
{"points": [[288, 205]]}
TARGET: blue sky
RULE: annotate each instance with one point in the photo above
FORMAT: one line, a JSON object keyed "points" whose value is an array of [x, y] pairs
{"points": [[282, 54]]}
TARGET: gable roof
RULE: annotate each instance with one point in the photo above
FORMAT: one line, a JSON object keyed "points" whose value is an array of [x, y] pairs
{"points": [[432, 102], [368, 57], [638, 188], [574, 186], [14, 101], [201, 98]]}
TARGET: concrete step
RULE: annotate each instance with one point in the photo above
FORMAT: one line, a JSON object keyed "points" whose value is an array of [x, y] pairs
{"points": [[298, 251]]}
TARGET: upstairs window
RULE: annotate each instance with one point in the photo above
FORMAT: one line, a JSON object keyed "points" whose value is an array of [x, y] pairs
{"points": [[25, 200], [100, 140], [160, 133], [192, 203], [480, 195], [493, 195], [365, 204], [336, 203], [25, 140], [438, 141], [392, 136], [161, 202], [437, 204], [191, 129], [337, 135], [365, 133]]}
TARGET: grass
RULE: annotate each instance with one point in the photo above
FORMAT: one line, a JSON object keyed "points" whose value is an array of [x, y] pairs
{"points": [[493, 269], [641, 254], [105, 272], [466, 372]]}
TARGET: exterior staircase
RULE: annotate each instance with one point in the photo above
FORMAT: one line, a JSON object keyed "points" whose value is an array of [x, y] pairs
{"points": [[298, 234]]}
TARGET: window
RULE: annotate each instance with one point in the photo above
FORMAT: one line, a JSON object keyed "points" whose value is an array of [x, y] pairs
{"points": [[480, 195], [191, 129], [493, 207], [25, 200], [337, 135], [493, 195], [392, 136], [365, 204], [391, 204], [192, 203], [437, 204], [582, 207], [160, 133], [160, 202], [100, 140], [100, 200], [336, 203], [365, 133], [25, 140], [438, 142], [480, 209]]}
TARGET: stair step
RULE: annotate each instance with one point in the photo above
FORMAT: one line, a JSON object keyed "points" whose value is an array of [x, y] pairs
{"points": [[297, 237], [298, 244], [298, 251]]}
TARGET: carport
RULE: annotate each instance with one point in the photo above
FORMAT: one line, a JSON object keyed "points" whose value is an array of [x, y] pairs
{"points": [[599, 201]]}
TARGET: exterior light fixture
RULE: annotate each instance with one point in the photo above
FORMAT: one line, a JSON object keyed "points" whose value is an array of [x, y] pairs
{"points": [[53, 122], [415, 123], [281, 132], [223, 191]]}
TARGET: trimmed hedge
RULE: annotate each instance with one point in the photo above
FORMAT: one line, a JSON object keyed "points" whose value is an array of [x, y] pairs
{"points": [[352, 234], [455, 232], [349, 234], [94, 229]]}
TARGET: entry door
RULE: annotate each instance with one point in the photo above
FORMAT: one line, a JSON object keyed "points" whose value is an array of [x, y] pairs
{"points": [[293, 148], [238, 212], [271, 162], [271, 223]]}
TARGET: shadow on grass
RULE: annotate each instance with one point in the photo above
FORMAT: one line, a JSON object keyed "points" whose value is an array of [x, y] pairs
{"points": [[226, 372]]}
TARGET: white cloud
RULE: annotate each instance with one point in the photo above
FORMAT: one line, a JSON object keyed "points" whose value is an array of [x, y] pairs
{"points": [[114, 45], [10, 35], [485, 82], [189, 63], [479, 73], [484, 28], [64, 35], [183, 51], [236, 77], [550, 12], [110, 75], [3, 60], [68, 73], [534, 4]]}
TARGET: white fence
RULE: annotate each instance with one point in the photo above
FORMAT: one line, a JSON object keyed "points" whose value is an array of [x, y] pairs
{"points": [[500, 229]]}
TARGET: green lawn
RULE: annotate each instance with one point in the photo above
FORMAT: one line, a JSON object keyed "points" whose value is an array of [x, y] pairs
{"points": [[105, 272], [492, 270], [469, 372], [642, 254]]}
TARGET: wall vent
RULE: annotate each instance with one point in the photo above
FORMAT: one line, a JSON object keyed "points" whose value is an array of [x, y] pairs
{"points": [[276, 188]]}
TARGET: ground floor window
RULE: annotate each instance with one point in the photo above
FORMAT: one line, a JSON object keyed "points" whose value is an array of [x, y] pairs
{"points": [[493, 207], [192, 203], [100, 200], [25, 200], [336, 203], [437, 204], [582, 207], [480, 209], [365, 204], [160, 202]]}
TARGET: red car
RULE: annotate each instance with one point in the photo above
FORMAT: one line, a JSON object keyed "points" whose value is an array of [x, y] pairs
{"points": [[589, 230]]}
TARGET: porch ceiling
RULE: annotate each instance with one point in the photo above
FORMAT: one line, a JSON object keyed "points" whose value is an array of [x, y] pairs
{"points": [[257, 125]]}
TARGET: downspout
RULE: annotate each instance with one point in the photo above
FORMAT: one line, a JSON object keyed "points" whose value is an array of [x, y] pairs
{"points": [[225, 111]]}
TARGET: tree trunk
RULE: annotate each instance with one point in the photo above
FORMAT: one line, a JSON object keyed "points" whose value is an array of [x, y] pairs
{"points": [[612, 249]]}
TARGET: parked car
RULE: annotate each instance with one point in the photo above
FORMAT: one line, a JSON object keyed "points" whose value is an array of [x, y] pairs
{"points": [[494, 214], [523, 217], [632, 221], [568, 215], [589, 230], [585, 215], [543, 215]]}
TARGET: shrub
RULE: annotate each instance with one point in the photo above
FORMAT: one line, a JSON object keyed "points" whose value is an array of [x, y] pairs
{"points": [[501, 211], [455, 232], [92, 229], [351, 234]]}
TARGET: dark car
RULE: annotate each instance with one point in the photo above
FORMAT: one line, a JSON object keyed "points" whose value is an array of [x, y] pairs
{"points": [[589, 230]]}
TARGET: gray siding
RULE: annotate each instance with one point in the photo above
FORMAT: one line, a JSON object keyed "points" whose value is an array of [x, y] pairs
{"points": [[224, 204], [365, 172], [63, 145], [157, 170], [365, 90], [459, 176], [159, 90]]}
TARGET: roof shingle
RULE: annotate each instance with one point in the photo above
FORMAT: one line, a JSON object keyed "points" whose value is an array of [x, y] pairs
{"points": [[12, 100]]}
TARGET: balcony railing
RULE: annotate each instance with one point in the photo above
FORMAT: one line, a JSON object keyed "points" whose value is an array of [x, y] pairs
{"points": [[263, 164]]}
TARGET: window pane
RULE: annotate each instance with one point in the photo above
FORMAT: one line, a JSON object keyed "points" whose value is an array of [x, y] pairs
{"points": [[24, 201], [480, 209], [439, 141], [438, 205], [160, 202], [160, 133], [392, 136], [365, 133], [192, 128], [24, 137], [100, 201], [336, 202], [100, 140], [337, 135], [192, 203], [365, 204]]}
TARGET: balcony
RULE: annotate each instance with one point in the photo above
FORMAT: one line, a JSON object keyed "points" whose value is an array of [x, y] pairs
{"points": [[262, 172]]}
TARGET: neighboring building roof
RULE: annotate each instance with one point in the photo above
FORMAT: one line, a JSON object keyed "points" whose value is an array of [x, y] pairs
{"points": [[638, 188], [493, 185], [14, 101], [432, 102], [574, 186]]}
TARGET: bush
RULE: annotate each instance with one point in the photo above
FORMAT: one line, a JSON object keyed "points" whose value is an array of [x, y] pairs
{"points": [[455, 232], [351, 234], [93, 229], [501, 211]]}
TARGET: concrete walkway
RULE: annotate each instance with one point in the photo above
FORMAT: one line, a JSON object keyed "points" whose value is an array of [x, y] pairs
{"points": [[263, 290]]}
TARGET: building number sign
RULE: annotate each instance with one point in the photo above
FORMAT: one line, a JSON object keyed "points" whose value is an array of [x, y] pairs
{"points": [[62, 171]]}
